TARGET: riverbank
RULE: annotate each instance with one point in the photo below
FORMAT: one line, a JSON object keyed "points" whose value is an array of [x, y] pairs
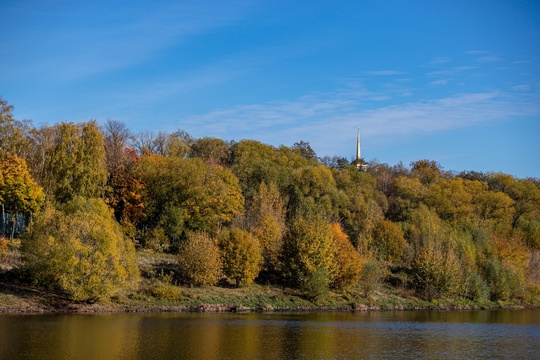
{"points": [[20, 299], [159, 291]]}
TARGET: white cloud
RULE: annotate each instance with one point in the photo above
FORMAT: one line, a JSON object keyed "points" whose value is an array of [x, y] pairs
{"points": [[439, 82], [384, 73]]}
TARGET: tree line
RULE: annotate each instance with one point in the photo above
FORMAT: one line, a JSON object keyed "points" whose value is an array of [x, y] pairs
{"points": [[249, 211]]}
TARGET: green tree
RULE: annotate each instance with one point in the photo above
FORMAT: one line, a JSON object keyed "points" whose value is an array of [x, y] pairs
{"points": [[183, 195], [241, 255], [314, 185], [363, 205], [75, 165], [525, 193], [81, 251], [199, 261], [427, 171], [304, 149], [308, 254], [212, 150]]}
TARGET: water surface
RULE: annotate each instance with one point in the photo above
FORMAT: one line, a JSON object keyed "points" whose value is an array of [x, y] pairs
{"points": [[366, 335]]}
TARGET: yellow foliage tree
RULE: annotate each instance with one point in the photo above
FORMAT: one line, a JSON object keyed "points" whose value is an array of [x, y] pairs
{"points": [[241, 255], [199, 260], [388, 241], [19, 193], [80, 250]]}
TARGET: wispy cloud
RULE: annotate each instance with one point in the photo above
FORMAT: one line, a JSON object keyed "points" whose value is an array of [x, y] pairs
{"points": [[123, 36], [440, 60], [439, 82], [523, 87], [327, 120], [488, 59], [383, 73]]}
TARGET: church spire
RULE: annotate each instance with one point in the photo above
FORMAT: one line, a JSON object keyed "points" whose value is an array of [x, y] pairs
{"points": [[360, 165], [358, 154]]}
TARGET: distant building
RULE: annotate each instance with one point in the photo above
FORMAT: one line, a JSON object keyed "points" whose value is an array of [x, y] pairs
{"points": [[359, 162]]}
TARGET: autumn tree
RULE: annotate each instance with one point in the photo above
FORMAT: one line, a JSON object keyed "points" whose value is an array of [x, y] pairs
{"points": [[123, 191], [81, 251], [362, 206], [347, 261], [19, 193], [199, 261], [254, 163], [435, 267], [179, 144], [388, 242], [308, 254], [241, 255], [212, 150], [427, 171], [314, 185], [184, 195], [266, 221], [75, 163]]}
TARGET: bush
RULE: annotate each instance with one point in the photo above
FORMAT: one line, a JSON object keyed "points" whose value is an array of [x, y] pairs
{"points": [[476, 288], [199, 262], [503, 282], [164, 288], [80, 250], [316, 283], [371, 276]]}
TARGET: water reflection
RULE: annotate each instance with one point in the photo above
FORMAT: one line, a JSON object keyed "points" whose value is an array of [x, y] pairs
{"points": [[376, 335]]}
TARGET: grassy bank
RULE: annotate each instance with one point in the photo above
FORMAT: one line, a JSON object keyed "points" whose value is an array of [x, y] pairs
{"points": [[159, 290]]}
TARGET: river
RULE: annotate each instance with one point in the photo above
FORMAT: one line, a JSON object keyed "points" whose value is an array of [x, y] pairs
{"points": [[504, 334]]}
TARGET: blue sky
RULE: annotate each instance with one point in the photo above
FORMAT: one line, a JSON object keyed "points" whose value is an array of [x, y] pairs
{"points": [[452, 81]]}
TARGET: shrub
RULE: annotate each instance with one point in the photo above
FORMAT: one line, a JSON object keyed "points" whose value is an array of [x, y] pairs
{"points": [[164, 288], [199, 262], [371, 276], [476, 288], [80, 250], [503, 282]]}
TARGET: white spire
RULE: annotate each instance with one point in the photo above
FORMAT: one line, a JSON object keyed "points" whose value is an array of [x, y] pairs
{"points": [[358, 155]]}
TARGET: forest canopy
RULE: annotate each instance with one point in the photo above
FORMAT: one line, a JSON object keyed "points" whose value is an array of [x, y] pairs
{"points": [[274, 214]]}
